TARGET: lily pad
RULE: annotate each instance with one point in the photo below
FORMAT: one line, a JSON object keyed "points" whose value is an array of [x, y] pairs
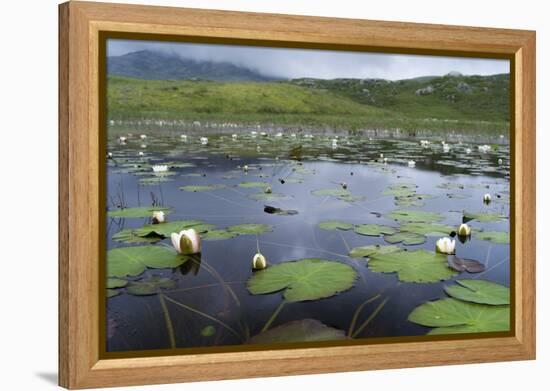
{"points": [[482, 217], [333, 225], [451, 316], [129, 235], [113, 283], [250, 229], [480, 291], [145, 211], [208, 331], [267, 196], [219, 234], [149, 286], [305, 279], [132, 261], [198, 188], [368, 251], [408, 238], [414, 216], [112, 293], [494, 236], [413, 266], [253, 184], [373, 229], [331, 192], [463, 264], [428, 229], [305, 330], [166, 229]]}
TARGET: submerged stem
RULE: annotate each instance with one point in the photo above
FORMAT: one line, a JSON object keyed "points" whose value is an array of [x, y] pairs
{"points": [[371, 317], [169, 325], [273, 316], [358, 311], [194, 310]]}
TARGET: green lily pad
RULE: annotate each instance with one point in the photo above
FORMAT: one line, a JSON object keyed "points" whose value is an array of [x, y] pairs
{"points": [[112, 293], [408, 238], [267, 196], [219, 234], [132, 261], [250, 229], [479, 291], [414, 216], [149, 286], [374, 229], [451, 316], [332, 225], [253, 184], [495, 237], [482, 217], [305, 330], [166, 229], [198, 188], [208, 331], [428, 229], [338, 192], [305, 279], [113, 283], [145, 211], [401, 190], [413, 266], [154, 180], [129, 235], [369, 251]]}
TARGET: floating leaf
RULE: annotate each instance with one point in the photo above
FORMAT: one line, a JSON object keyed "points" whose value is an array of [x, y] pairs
{"points": [[479, 291], [332, 225], [305, 279], [482, 217], [146, 211], [197, 188], [116, 283], [112, 293], [401, 190], [154, 180], [253, 184], [428, 229], [250, 229], [129, 235], [414, 216], [208, 331], [166, 229], [368, 251], [267, 196], [463, 264], [495, 237], [412, 266], [331, 192], [132, 261], [305, 330], [408, 238], [219, 234], [452, 316], [149, 286], [373, 229]]}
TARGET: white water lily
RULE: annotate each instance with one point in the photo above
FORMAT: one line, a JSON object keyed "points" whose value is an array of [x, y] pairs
{"points": [[279, 134], [143, 136], [500, 162], [293, 135], [253, 133], [159, 217], [245, 168], [381, 155], [268, 190], [464, 230], [424, 143], [140, 153], [258, 148], [468, 150], [186, 242], [109, 155], [385, 160], [160, 168], [234, 136], [446, 147], [204, 140], [183, 137], [344, 185], [411, 163], [259, 262], [484, 148], [487, 198], [122, 140], [445, 246], [143, 145]]}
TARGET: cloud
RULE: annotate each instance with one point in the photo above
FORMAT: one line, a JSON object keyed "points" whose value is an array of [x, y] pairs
{"points": [[325, 64]]}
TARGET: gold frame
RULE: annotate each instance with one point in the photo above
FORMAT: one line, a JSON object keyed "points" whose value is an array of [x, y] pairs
{"points": [[82, 364]]}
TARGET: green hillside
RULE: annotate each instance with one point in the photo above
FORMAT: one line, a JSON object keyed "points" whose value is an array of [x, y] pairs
{"points": [[452, 102]]}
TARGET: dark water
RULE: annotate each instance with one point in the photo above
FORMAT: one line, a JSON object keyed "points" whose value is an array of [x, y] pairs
{"points": [[138, 322]]}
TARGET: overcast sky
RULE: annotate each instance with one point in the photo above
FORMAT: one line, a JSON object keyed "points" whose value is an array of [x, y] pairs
{"points": [[323, 64]]}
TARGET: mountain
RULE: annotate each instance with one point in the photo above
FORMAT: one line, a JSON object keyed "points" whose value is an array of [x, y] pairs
{"points": [[151, 65]]}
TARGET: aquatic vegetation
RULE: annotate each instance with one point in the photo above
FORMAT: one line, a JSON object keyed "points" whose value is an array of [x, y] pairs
{"points": [[305, 330], [149, 286], [259, 262], [495, 237], [158, 217], [132, 261], [250, 229], [197, 188], [464, 230], [445, 245], [414, 216], [482, 217], [372, 250], [333, 225], [305, 279], [412, 266], [479, 291], [464, 265], [407, 238], [374, 230], [186, 242], [145, 211], [487, 198]]}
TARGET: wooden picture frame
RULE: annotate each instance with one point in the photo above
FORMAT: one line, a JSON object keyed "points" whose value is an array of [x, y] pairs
{"points": [[81, 24]]}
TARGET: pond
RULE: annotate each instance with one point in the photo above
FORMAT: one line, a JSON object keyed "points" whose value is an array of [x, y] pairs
{"points": [[364, 213]]}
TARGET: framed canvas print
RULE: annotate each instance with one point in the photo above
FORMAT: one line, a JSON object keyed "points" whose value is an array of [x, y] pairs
{"points": [[248, 195]]}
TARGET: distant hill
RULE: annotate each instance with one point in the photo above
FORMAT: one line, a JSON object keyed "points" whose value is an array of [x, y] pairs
{"points": [[150, 65]]}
